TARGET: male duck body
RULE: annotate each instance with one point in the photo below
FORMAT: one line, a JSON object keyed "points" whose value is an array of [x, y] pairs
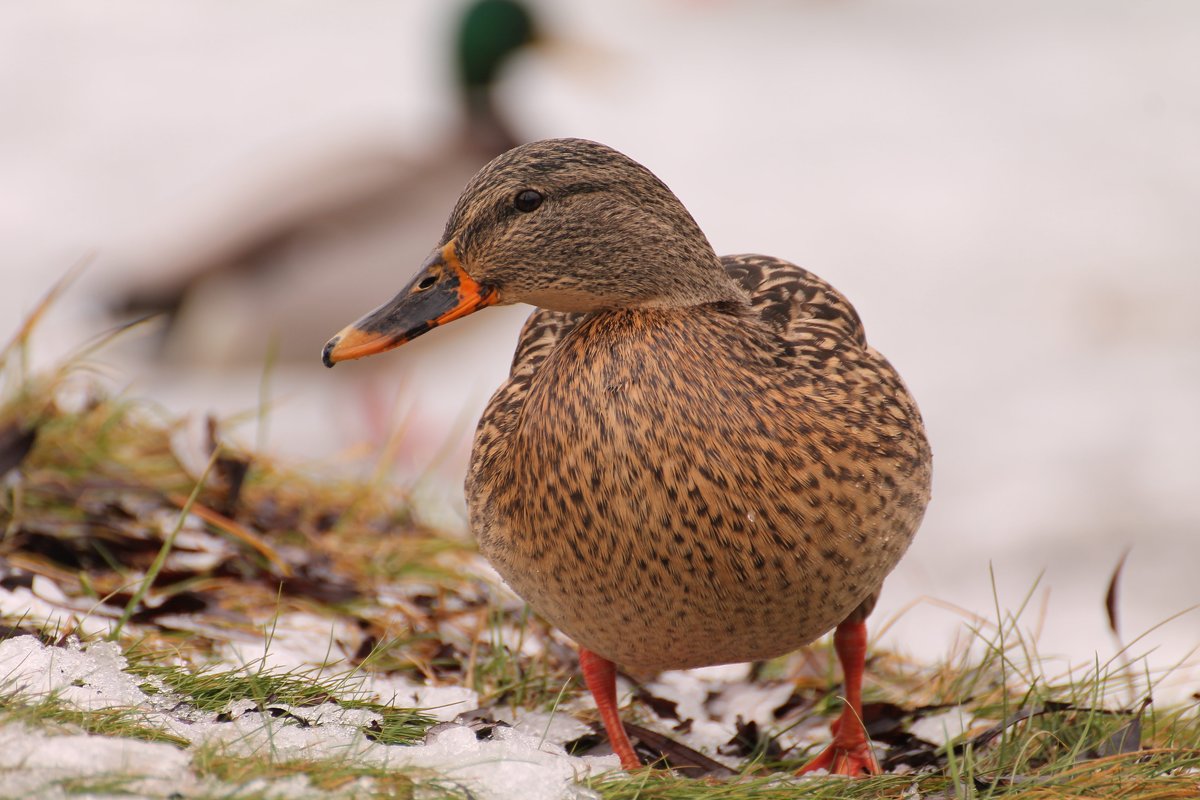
{"points": [[695, 460]]}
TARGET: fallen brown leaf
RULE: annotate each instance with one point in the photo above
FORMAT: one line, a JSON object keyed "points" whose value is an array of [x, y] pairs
{"points": [[15, 443], [1110, 596]]}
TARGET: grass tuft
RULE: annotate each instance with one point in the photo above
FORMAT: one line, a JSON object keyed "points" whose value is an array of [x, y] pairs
{"points": [[54, 714], [216, 690]]}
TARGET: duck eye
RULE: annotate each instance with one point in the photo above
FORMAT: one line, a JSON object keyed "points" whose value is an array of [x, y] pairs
{"points": [[527, 200]]}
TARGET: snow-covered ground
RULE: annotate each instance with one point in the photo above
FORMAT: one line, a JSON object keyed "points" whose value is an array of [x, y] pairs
{"points": [[522, 762], [486, 750]]}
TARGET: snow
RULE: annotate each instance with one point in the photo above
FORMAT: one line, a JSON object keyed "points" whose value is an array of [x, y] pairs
{"points": [[513, 764], [715, 698], [88, 679], [556, 728], [44, 604], [33, 763], [283, 738], [946, 726], [523, 762], [443, 703], [296, 640]]}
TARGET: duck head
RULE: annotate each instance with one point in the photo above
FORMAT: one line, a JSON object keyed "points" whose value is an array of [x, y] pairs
{"points": [[565, 224]]}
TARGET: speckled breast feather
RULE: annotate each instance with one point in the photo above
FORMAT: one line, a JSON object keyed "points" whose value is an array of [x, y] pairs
{"points": [[737, 478]]}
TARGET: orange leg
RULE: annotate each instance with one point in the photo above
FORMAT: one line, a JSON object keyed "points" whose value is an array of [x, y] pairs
{"points": [[600, 675], [850, 752]]}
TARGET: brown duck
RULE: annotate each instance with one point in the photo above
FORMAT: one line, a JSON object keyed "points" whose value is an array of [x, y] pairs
{"points": [[695, 460]]}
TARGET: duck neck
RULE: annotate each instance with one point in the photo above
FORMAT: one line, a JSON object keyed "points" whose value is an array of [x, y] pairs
{"points": [[699, 284], [486, 130]]}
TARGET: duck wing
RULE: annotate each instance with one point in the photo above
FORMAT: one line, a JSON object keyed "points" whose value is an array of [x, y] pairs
{"points": [[796, 302], [542, 331]]}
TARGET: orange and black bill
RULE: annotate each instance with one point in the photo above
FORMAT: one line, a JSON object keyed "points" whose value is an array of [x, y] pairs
{"points": [[441, 292]]}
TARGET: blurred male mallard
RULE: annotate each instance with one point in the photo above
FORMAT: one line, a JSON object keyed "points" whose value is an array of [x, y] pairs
{"points": [[256, 260]]}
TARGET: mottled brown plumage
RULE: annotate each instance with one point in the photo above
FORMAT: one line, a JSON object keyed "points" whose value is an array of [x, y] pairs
{"points": [[695, 460], [736, 480]]}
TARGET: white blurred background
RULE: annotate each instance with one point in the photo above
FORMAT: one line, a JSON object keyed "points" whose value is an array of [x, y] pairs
{"points": [[1008, 192]]}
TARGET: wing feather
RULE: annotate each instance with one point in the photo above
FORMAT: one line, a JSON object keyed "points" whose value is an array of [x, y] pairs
{"points": [[798, 303]]}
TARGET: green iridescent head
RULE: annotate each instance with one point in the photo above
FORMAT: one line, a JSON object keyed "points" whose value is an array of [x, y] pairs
{"points": [[491, 31]]}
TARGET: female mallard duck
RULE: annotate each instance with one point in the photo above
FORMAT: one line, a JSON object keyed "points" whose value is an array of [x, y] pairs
{"points": [[696, 460]]}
